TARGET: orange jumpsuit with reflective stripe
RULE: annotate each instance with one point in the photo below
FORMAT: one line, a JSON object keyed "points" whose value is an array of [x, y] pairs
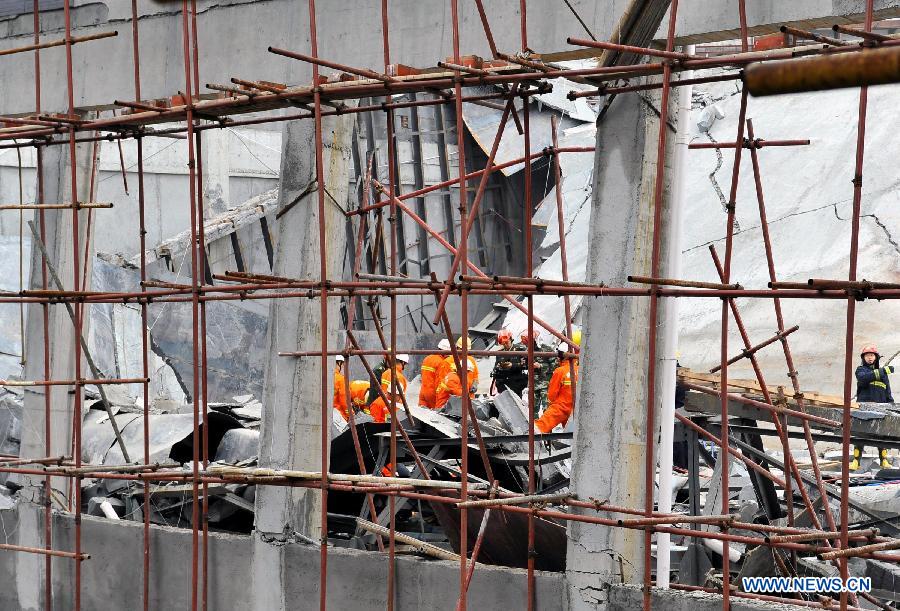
{"points": [[449, 365], [340, 394], [429, 380], [358, 391], [559, 394], [451, 386], [378, 409]]}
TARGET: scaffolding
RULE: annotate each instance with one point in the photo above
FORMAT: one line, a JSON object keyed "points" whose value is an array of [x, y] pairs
{"points": [[523, 75]]}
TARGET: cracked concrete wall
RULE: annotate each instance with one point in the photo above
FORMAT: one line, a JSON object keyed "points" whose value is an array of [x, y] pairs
{"points": [[291, 433], [610, 416], [808, 196]]}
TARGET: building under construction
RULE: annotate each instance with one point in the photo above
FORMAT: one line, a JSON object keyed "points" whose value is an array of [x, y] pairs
{"points": [[207, 204]]}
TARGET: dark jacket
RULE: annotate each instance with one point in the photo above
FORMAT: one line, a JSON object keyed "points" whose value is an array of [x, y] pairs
{"points": [[513, 369], [873, 384]]}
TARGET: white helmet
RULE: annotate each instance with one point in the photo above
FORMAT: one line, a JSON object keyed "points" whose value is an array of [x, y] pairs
{"points": [[562, 347], [339, 358], [444, 344], [403, 358]]}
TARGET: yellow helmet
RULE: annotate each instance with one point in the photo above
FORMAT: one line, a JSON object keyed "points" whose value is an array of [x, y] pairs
{"points": [[576, 337], [468, 343]]}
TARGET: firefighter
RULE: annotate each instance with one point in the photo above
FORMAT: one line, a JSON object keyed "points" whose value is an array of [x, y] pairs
{"points": [[508, 372], [429, 373], [450, 365], [378, 409], [872, 386], [340, 392], [359, 389], [559, 392], [451, 386]]}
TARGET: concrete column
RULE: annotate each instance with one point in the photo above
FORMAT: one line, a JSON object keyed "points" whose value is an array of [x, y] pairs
{"points": [[292, 410], [56, 165], [610, 415], [216, 171]]}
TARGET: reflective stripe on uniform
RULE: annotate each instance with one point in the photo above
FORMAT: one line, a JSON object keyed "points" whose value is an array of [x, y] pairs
{"points": [[877, 374], [425, 368], [880, 385]]}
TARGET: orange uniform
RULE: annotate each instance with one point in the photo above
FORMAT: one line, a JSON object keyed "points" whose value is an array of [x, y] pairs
{"points": [[451, 386], [340, 394], [449, 365], [378, 409], [559, 394], [429, 378], [358, 391]]}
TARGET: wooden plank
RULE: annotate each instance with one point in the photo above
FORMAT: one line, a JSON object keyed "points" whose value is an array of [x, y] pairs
{"points": [[714, 381]]}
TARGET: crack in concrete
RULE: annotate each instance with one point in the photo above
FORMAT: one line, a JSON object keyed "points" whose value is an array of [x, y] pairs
{"points": [[884, 228], [167, 360], [720, 160], [878, 221]]}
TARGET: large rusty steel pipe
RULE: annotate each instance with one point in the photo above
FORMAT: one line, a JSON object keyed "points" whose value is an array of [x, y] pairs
{"points": [[824, 72]]}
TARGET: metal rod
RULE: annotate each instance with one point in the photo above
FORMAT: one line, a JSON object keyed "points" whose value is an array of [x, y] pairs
{"points": [[62, 42], [685, 283], [798, 33], [530, 499], [753, 350]]}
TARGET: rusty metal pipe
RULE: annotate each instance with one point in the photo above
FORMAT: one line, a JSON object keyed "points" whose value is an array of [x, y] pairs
{"points": [[750, 351], [824, 72]]}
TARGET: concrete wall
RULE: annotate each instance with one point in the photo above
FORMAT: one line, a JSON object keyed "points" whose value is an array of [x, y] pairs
{"points": [[113, 577], [252, 157], [350, 33]]}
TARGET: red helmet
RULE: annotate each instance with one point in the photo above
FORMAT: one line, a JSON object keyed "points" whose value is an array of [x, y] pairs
{"points": [[524, 335], [504, 336], [869, 348]]}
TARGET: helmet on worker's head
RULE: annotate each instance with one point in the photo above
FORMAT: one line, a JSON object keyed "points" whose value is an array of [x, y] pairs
{"points": [[524, 335], [576, 336], [339, 358], [403, 358], [444, 344], [468, 343], [562, 347], [504, 336], [869, 349]]}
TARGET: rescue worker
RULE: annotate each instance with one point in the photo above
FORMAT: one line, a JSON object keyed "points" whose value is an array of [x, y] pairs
{"points": [[508, 372], [544, 366], [429, 373], [378, 409], [340, 391], [449, 363], [872, 386], [559, 392], [359, 389], [451, 386]]}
